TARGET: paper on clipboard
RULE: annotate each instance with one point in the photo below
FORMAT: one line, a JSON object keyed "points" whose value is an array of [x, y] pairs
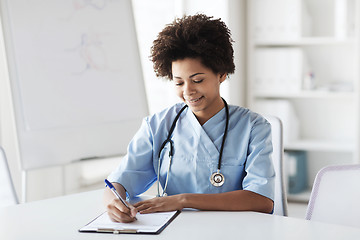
{"points": [[152, 223]]}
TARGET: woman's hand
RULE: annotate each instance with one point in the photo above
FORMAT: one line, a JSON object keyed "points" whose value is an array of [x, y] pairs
{"points": [[160, 204], [238, 200], [117, 211]]}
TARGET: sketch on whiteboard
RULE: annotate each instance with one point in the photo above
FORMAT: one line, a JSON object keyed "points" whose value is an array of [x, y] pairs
{"points": [[96, 4], [77, 7], [92, 52], [80, 62]]}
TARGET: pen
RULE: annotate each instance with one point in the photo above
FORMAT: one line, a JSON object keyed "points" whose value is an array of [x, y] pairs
{"points": [[112, 188], [109, 184]]}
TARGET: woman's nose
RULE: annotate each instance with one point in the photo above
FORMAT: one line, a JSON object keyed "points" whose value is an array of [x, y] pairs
{"points": [[189, 89]]}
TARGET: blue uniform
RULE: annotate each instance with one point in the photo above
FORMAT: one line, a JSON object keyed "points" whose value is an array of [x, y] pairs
{"points": [[246, 161]]}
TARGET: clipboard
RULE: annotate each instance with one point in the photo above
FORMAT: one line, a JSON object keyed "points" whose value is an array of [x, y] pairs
{"points": [[152, 223]]}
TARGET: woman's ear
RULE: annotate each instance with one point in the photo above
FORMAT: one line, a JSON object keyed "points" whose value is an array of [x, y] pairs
{"points": [[223, 77]]}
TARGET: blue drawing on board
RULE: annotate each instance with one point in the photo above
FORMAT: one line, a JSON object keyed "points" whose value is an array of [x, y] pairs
{"points": [[78, 6], [91, 52], [96, 4]]}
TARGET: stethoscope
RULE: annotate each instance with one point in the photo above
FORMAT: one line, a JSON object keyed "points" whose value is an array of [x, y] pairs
{"points": [[217, 179]]}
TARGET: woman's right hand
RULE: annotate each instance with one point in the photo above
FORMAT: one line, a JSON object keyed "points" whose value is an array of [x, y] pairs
{"points": [[117, 211]]}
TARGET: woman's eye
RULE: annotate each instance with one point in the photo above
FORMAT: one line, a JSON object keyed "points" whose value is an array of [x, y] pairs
{"points": [[179, 84], [198, 81]]}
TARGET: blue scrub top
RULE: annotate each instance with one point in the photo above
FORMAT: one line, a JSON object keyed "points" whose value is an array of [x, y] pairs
{"points": [[246, 161]]}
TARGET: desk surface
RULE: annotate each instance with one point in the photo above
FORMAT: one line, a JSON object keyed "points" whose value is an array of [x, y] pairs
{"points": [[60, 218]]}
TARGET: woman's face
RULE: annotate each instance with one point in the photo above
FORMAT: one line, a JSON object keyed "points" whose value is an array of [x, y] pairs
{"points": [[198, 86]]}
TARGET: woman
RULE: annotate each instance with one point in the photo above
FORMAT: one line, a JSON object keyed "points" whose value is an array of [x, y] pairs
{"points": [[220, 155]]}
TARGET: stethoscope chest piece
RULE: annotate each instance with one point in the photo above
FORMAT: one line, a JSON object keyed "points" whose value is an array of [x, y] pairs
{"points": [[217, 179]]}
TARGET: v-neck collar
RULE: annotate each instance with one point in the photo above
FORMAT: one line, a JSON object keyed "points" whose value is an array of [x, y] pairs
{"points": [[205, 141]]}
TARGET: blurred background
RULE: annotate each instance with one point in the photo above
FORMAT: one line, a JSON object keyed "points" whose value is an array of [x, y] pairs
{"points": [[295, 59]]}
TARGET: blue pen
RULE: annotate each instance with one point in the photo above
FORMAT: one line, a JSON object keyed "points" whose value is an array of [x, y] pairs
{"points": [[109, 184]]}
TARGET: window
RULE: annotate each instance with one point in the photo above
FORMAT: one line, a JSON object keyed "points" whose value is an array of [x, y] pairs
{"points": [[150, 19]]}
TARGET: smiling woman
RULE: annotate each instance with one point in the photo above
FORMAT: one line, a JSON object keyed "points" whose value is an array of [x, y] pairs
{"points": [[199, 87], [204, 153]]}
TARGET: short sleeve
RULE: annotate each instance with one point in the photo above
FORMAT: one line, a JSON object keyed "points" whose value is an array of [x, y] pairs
{"points": [[260, 173], [136, 171]]}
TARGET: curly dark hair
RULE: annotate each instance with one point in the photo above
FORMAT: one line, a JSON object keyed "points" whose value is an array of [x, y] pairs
{"points": [[197, 36]]}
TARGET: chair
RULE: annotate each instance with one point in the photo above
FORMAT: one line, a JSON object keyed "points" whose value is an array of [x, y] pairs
{"points": [[335, 197], [280, 199], [7, 191]]}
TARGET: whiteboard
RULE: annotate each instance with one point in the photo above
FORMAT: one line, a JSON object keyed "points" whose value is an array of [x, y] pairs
{"points": [[76, 78]]}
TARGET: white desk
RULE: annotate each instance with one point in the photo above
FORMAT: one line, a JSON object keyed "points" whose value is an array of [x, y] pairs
{"points": [[60, 218]]}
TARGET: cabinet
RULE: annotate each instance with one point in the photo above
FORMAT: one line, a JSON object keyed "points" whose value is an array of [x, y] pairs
{"points": [[303, 66]]}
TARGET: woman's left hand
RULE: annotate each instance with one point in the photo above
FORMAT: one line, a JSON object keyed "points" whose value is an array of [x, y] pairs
{"points": [[160, 204]]}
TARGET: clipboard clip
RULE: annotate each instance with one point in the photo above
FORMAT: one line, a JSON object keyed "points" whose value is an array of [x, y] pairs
{"points": [[116, 231]]}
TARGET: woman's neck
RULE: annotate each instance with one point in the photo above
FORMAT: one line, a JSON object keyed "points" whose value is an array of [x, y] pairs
{"points": [[206, 114]]}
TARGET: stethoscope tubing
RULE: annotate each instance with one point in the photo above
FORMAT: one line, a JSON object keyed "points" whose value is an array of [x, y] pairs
{"points": [[171, 150]]}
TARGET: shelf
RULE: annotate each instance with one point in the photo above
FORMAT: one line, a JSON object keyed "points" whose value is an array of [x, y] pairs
{"points": [[305, 94], [320, 145], [306, 41], [280, 59]]}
